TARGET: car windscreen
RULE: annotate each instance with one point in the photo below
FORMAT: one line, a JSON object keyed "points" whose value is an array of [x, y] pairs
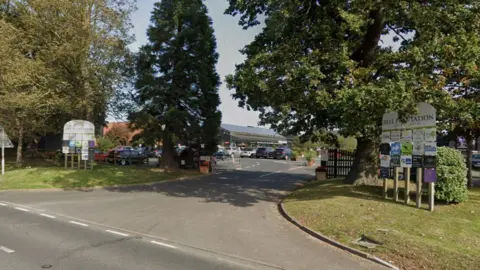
{"points": [[261, 149], [248, 149]]}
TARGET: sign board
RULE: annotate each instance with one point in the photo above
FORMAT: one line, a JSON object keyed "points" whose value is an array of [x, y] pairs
{"points": [[65, 150], [384, 161], [425, 118], [4, 140], [205, 158], [395, 149], [324, 154], [430, 176]]}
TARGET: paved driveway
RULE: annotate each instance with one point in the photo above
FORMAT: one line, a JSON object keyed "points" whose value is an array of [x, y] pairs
{"points": [[232, 213]]}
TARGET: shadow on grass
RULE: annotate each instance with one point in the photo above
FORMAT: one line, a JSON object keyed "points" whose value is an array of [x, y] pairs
{"points": [[321, 190]]}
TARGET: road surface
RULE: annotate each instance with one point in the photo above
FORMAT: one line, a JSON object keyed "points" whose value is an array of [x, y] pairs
{"points": [[222, 221]]}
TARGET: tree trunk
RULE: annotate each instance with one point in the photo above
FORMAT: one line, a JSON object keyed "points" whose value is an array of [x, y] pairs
{"points": [[19, 160], [168, 154], [364, 167]]}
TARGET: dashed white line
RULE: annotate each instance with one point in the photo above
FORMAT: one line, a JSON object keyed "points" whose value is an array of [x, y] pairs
{"points": [[118, 233], [78, 223], [22, 209], [247, 167], [49, 216], [270, 173], [162, 244], [2, 204], [7, 250]]}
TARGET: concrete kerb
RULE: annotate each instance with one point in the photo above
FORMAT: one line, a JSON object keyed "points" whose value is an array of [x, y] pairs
{"points": [[332, 242], [183, 178]]}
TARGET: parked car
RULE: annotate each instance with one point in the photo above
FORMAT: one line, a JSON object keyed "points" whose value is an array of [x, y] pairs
{"points": [[248, 152], [233, 150], [126, 157], [282, 153], [264, 152], [100, 156], [221, 155]]}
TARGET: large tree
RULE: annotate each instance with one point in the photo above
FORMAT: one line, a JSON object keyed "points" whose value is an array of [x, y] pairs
{"points": [[325, 64], [63, 59], [176, 78]]}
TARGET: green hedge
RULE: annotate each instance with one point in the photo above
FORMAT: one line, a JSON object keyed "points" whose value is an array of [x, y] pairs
{"points": [[451, 183]]}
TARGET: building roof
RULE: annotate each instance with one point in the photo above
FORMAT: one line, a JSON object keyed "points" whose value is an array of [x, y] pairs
{"points": [[249, 130]]}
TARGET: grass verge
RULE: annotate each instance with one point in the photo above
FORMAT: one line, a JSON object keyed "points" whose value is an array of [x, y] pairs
{"points": [[448, 238], [101, 175]]}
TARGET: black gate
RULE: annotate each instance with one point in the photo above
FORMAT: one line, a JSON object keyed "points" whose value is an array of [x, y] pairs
{"points": [[339, 162]]}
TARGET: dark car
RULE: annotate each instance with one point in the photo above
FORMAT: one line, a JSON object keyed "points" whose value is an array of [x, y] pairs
{"points": [[282, 153], [264, 152], [221, 155], [125, 157]]}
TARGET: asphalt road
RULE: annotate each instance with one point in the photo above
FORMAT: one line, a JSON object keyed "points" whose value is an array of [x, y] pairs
{"points": [[215, 222]]}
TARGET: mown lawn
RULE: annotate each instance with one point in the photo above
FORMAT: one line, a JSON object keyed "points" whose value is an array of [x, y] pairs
{"points": [[102, 175], [448, 238]]}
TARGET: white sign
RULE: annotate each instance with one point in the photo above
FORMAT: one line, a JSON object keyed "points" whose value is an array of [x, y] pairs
{"points": [[324, 154], [418, 148], [396, 136], [425, 118], [406, 161], [79, 131], [4, 140], [65, 150], [419, 135], [407, 135], [430, 149], [205, 158], [386, 137], [430, 135], [385, 161]]}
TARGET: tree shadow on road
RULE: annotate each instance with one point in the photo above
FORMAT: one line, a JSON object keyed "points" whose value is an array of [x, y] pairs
{"points": [[239, 188]]}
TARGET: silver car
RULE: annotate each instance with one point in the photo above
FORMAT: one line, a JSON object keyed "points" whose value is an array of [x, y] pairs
{"points": [[248, 152]]}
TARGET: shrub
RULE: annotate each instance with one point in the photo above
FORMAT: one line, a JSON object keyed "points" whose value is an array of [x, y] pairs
{"points": [[451, 183], [309, 156]]}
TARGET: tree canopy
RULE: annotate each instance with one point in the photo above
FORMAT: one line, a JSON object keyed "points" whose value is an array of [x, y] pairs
{"points": [[176, 80], [327, 64]]}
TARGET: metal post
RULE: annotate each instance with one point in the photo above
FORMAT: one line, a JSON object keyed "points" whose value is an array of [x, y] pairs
{"points": [[3, 151]]}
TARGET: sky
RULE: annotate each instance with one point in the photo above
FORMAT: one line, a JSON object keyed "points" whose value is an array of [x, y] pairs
{"points": [[230, 39]]}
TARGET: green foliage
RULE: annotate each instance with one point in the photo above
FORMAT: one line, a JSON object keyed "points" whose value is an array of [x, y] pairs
{"points": [[319, 65], [451, 176], [347, 143], [176, 78], [294, 154], [310, 155], [104, 144]]}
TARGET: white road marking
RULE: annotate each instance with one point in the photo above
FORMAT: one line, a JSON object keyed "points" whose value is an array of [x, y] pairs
{"points": [[235, 263], [295, 168], [22, 209], [118, 233], [247, 167], [270, 173], [45, 215], [238, 169], [223, 177], [162, 244], [2, 204], [78, 223], [7, 250], [258, 163]]}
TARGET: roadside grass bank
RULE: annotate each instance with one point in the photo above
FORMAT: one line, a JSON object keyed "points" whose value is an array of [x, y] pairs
{"points": [[40, 177], [411, 238]]}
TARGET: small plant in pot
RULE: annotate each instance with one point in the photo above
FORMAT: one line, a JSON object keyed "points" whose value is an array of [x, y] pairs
{"points": [[294, 156], [310, 158]]}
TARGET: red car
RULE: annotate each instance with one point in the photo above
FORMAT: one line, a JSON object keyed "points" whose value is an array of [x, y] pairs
{"points": [[100, 156]]}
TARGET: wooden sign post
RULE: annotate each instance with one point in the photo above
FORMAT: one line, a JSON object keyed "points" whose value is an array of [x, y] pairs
{"points": [[412, 145]]}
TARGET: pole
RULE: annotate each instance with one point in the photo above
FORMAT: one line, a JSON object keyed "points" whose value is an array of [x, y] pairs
{"points": [[419, 187], [66, 160], [406, 174], [395, 185], [431, 196], [3, 151]]}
